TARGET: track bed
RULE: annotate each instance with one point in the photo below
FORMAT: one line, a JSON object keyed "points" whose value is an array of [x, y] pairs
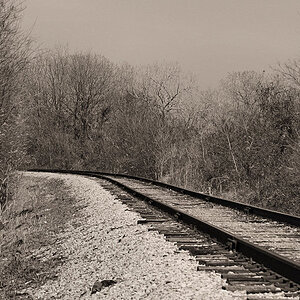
{"points": [[255, 250]]}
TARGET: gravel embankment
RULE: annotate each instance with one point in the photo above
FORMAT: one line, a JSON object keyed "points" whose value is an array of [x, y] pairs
{"points": [[105, 243]]}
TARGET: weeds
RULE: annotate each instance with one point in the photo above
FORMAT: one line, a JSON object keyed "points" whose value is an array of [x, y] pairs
{"points": [[33, 218]]}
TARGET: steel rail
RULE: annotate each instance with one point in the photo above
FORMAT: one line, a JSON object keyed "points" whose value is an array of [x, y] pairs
{"points": [[267, 213], [277, 263]]}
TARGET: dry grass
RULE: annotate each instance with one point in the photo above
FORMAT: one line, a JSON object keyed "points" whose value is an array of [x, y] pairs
{"points": [[36, 212]]}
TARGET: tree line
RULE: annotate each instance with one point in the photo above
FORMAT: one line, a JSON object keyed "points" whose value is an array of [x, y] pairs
{"points": [[60, 109]]}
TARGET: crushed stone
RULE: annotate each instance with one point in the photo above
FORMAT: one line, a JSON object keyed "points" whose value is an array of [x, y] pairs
{"points": [[106, 243]]}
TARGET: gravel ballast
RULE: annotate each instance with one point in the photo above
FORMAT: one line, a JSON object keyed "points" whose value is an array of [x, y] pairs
{"points": [[105, 243]]}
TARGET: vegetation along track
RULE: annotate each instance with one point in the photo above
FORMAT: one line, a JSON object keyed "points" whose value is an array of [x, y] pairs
{"points": [[256, 250]]}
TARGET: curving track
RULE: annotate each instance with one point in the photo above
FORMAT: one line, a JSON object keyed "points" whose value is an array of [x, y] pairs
{"points": [[257, 242]]}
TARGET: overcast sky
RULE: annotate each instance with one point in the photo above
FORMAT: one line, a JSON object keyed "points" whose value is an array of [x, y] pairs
{"points": [[207, 37]]}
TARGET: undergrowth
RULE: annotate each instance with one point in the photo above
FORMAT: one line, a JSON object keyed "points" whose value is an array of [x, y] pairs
{"points": [[36, 211]]}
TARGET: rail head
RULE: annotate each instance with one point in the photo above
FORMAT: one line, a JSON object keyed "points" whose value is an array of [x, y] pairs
{"points": [[252, 209], [267, 213], [279, 264]]}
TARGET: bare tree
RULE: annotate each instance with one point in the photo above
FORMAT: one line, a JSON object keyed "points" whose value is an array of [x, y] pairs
{"points": [[290, 71], [14, 56], [164, 85], [90, 81]]}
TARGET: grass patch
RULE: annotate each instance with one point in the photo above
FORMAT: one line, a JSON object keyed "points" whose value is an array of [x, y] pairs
{"points": [[35, 214]]}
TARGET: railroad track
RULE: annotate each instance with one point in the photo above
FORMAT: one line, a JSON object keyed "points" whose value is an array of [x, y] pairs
{"points": [[255, 250]]}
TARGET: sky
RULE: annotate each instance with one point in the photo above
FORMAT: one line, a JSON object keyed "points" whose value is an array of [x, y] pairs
{"points": [[209, 38]]}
